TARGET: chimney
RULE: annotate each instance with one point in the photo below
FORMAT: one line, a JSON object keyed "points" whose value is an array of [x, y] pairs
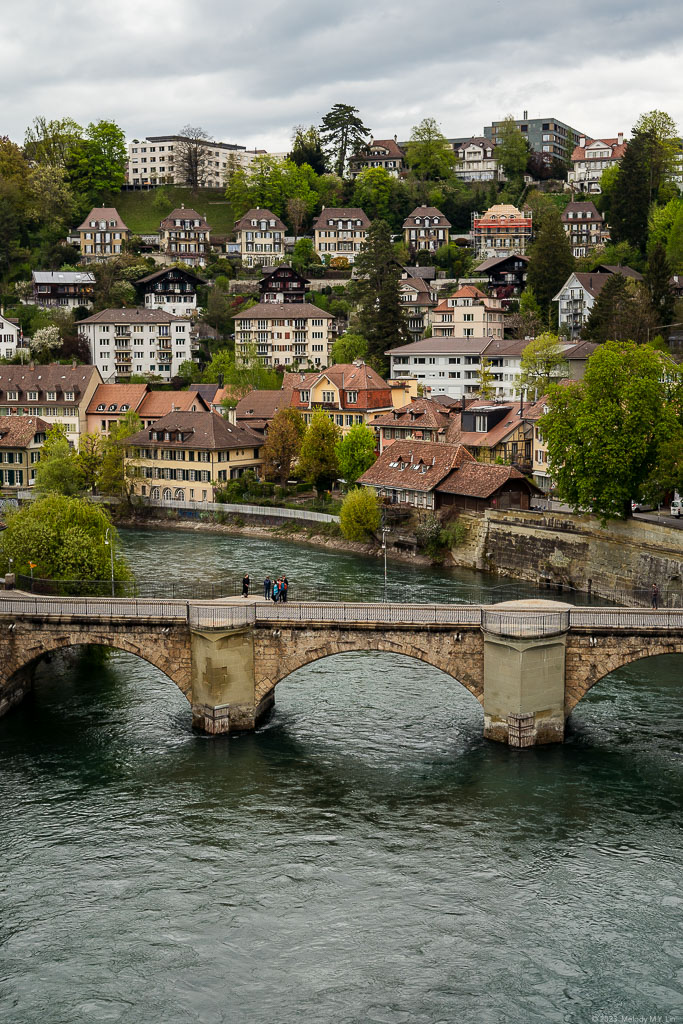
{"points": [[463, 403], [582, 142], [620, 139], [521, 403], [526, 115]]}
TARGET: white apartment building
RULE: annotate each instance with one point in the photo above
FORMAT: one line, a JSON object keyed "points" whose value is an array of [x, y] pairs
{"points": [[261, 238], [156, 160], [477, 162], [294, 334], [340, 231], [591, 157], [147, 341], [441, 366], [10, 337], [468, 314]]}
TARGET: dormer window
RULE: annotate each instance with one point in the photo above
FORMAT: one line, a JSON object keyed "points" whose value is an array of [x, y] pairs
{"points": [[435, 220], [305, 396], [52, 396], [12, 396], [352, 397], [68, 396], [167, 435], [417, 220], [32, 396], [125, 408], [101, 407]]}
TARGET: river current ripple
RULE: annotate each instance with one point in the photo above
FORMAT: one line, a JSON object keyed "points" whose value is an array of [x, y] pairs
{"points": [[364, 857]]}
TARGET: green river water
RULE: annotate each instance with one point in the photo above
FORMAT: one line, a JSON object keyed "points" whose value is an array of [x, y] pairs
{"points": [[364, 857]]}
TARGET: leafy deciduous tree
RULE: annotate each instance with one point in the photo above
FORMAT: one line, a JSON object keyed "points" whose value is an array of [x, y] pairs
{"points": [[59, 469], [191, 156], [542, 363], [318, 455], [360, 515], [512, 151], [356, 452], [429, 154], [283, 444], [348, 347]]}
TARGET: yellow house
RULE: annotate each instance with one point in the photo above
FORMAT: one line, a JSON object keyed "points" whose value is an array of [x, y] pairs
{"points": [[21, 438], [102, 234], [188, 456]]}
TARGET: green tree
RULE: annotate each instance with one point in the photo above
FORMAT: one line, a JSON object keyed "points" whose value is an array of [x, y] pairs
{"points": [[188, 373], [318, 456], [622, 312], [51, 143], [360, 515], [381, 321], [429, 154], [65, 537], [59, 469], [342, 133], [632, 192], [50, 200], [356, 452], [348, 347], [657, 279], [117, 477], [373, 190], [97, 163], [661, 129], [283, 444], [90, 456], [604, 433], [550, 259], [674, 245], [307, 148], [237, 191], [304, 254], [487, 383], [543, 363], [512, 152]]}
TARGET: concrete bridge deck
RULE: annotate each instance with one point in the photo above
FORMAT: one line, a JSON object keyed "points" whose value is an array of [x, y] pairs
{"points": [[528, 662]]}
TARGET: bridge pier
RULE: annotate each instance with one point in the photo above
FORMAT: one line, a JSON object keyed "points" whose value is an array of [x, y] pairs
{"points": [[223, 694]]}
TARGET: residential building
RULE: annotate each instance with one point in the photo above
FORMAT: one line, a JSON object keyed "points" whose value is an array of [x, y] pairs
{"points": [[10, 337], [469, 313], [257, 409], [261, 237], [442, 366], [476, 161], [21, 438], [184, 237], [283, 284], [384, 153], [590, 157], [126, 341], [340, 231], [159, 159], [423, 419], [102, 234], [350, 393], [426, 228], [585, 226], [285, 334], [417, 298], [506, 274], [503, 228], [63, 288], [172, 290], [110, 403], [409, 471], [545, 135], [157, 404], [54, 393], [495, 432], [188, 456], [577, 295]]}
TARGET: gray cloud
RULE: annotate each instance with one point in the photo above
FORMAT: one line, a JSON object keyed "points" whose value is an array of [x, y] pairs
{"points": [[248, 73]]}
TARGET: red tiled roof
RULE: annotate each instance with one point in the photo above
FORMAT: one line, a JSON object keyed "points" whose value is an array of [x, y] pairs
{"points": [[18, 431], [618, 149], [206, 430], [182, 214], [437, 459], [161, 403], [426, 211], [340, 213], [98, 213], [478, 480], [118, 395], [258, 214], [283, 311]]}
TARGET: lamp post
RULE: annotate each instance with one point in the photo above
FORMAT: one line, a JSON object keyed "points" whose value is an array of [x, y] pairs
{"points": [[110, 544], [385, 531]]}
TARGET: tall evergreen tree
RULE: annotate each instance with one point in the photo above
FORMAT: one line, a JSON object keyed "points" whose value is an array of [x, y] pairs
{"points": [[631, 192], [657, 279], [550, 258], [602, 322], [381, 320], [307, 148], [342, 132]]}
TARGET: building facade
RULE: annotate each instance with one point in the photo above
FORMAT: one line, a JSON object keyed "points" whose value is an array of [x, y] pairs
{"points": [[384, 153], [546, 135], [21, 438], [102, 234], [10, 337], [283, 284], [350, 393], [160, 159], [188, 456], [54, 393], [506, 274], [590, 157], [295, 334], [476, 161], [441, 366], [426, 228], [261, 238], [417, 298], [148, 341], [173, 290], [585, 227], [468, 314], [340, 231], [64, 288], [502, 229], [184, 237]]}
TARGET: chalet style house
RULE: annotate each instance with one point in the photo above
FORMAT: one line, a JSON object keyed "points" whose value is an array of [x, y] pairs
{"points": [[590, 158], [585, 226], [350, 393], [340, 231], [173, 290], [288, 334], [283, 284], [506, 274], [468, 314], [426, 228], [21, 438], [102, 234], [577, 295], [385, 153], [503, 228], [187, 456], [63, 288], [184, 237], [261, 238]]}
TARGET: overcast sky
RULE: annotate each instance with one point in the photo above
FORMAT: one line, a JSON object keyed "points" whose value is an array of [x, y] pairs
{"points": [[248, 72]]}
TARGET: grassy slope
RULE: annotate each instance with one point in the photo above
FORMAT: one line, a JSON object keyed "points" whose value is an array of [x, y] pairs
{"points": [[139, 214]]}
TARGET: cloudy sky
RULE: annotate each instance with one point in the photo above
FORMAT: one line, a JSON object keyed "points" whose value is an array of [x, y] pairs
{"points": [[248, 72]]}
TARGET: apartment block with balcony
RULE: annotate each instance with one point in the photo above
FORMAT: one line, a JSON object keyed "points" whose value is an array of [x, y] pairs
{"points": [[585, 226], [261, 238], [159, 159], [546, 135], [500, 230], [173, 290], [448, 367], [468, 314], [426, 228], [102, 234], [578, 294], [590, 158], [141, 341], [184, 237], [295, 334], [340, 231]]}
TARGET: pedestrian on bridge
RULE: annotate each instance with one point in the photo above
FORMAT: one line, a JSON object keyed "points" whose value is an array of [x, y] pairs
{"points": [[245, 585], [655, 596], [276, 591], [284, 587], [267, 584]]}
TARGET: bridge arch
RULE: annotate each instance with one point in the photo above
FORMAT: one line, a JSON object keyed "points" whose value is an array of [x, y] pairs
{"points": [[165, 652], [461, 659], [586, 666]]}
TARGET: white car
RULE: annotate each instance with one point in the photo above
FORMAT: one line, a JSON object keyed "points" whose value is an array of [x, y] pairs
{"points": [[677, 507]]}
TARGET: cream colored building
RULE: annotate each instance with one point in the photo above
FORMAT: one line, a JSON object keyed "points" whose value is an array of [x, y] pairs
{"points": [[340, 231], [350, 393], [261, 238], [184, 237], [468, 314], [55, 393], [292, 334], [188, 456], [102, 234]]}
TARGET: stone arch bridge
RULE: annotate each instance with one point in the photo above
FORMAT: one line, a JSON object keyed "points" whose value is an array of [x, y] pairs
{"points": [[528, 663]]}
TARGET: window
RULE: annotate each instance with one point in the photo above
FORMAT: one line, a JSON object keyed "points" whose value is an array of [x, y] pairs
{"points": [[328, 396], [351, 397]]}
